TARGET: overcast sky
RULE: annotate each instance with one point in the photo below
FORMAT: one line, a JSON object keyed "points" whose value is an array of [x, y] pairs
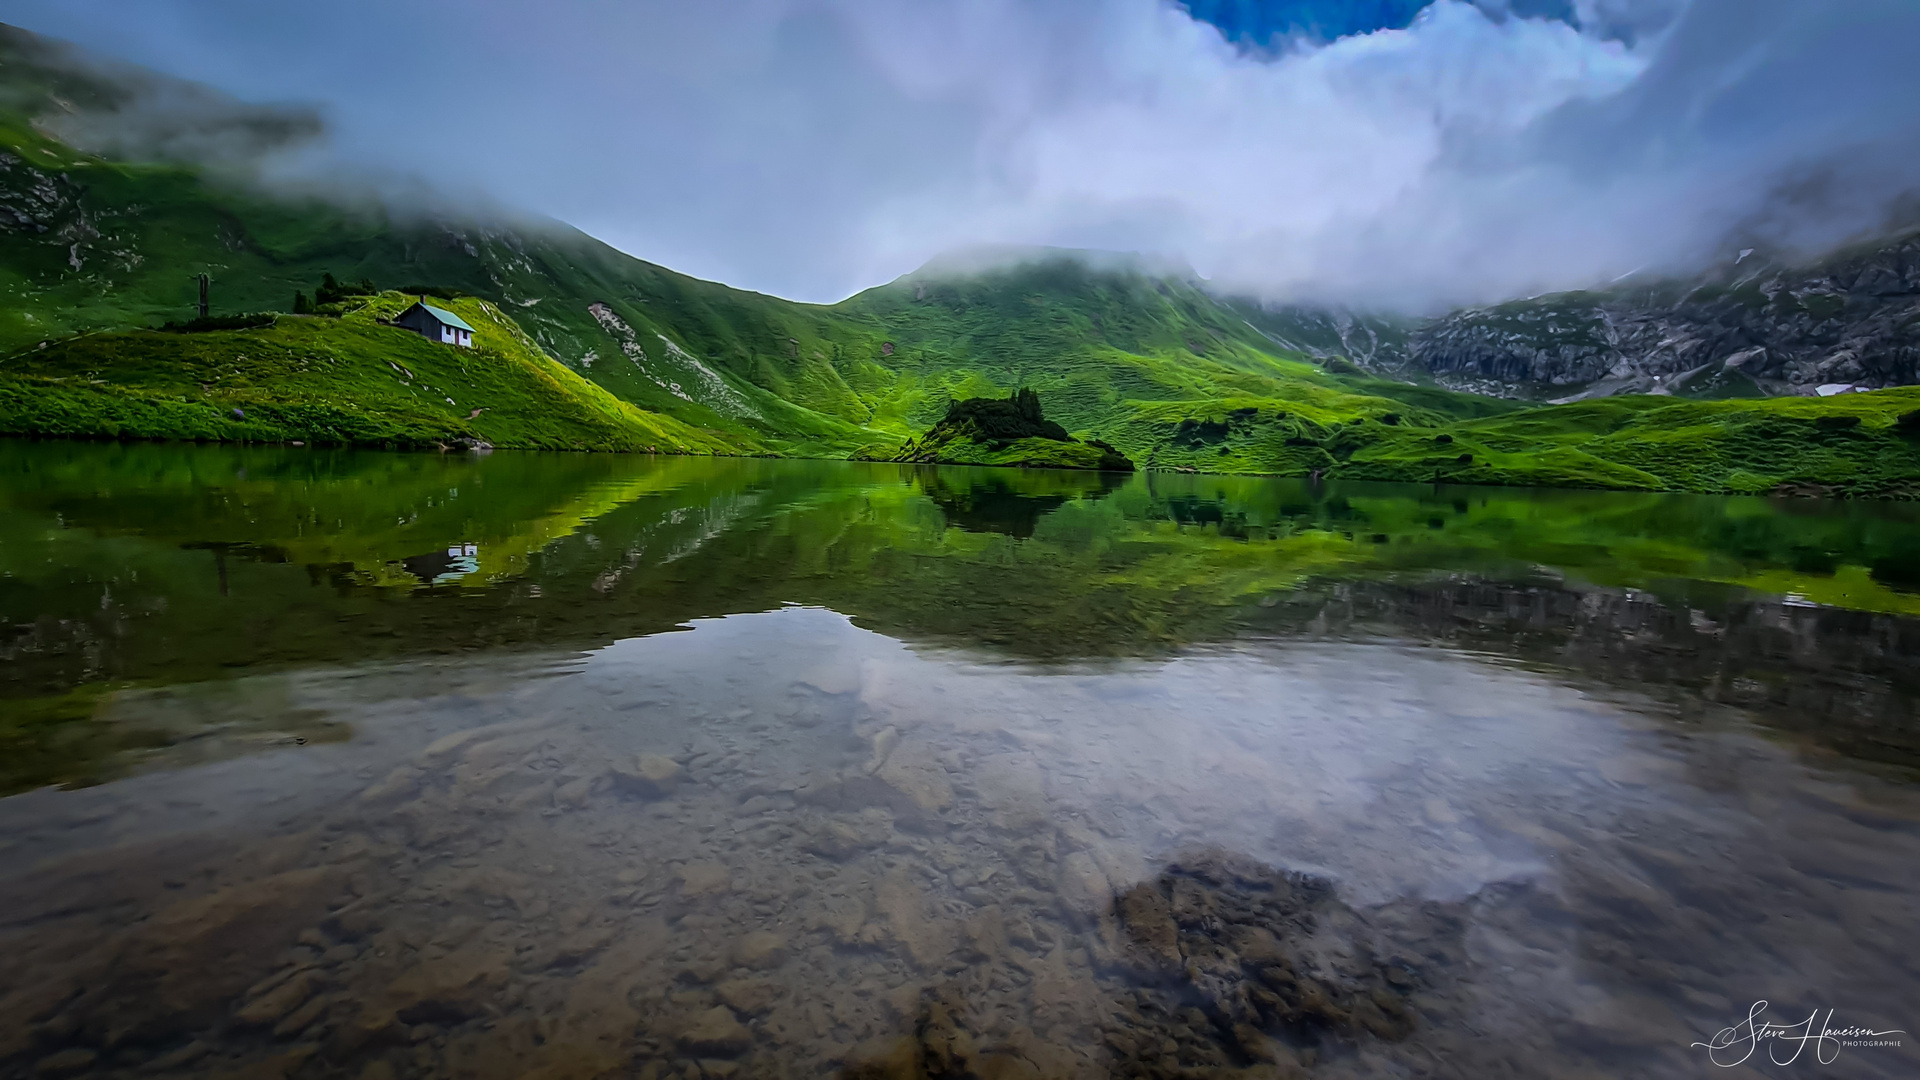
{"points": [[1368, 151]]}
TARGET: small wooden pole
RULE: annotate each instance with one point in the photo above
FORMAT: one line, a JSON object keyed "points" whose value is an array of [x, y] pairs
{"points": [[203, 296]]}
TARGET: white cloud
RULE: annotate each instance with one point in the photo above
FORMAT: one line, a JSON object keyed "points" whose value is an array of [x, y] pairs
{"points": [[1252, 168], [813, 147]]}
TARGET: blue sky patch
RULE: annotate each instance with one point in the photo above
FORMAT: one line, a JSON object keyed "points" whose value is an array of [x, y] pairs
{"points": [[1261, 24], [1258, 23]]}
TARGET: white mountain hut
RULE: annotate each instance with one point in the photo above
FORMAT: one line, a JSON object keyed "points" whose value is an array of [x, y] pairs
{"points": [[436, 324]]}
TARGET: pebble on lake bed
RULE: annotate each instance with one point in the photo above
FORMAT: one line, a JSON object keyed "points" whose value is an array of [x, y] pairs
{"points": [[649, 776], [705, 879]]}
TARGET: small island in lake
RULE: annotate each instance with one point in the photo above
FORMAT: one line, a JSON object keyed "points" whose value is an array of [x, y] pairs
{"points": [[1008, 432]]}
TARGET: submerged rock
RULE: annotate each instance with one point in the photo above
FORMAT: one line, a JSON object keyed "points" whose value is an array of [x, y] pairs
{"points": [[749, 996], [65, 1063], [914, 773], [760, 949], [716, 1032], [1262, 952], [277, 1002], [649, 776]]}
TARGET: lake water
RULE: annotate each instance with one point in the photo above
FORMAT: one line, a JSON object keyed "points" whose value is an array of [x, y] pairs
{"points": [[331, 764]]}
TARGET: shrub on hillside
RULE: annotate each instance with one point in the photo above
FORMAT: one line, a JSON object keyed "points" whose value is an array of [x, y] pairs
{"points": [[220, 322], [332, 291]]}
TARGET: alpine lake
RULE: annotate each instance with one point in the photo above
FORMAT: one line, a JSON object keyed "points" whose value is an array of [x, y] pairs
{"points": [[367, 765]]}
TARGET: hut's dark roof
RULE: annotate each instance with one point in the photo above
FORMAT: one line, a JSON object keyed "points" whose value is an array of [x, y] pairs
{"points": [[445, 316]]}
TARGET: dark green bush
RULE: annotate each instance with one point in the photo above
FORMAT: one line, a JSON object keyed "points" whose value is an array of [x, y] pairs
{"points": [[220, 322], [1900, 571], [332, 291], [1812, 560], [1193, 432], [1017, 417]]}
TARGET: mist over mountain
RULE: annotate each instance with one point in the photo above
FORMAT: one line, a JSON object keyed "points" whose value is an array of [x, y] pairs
{"points": [[984, 259], [1405, 157]]}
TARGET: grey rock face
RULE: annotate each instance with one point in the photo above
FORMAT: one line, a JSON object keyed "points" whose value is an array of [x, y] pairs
{"points": [[1753, 324], [1370, 339]]}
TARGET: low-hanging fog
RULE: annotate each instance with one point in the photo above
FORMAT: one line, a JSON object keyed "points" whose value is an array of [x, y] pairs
{"points": [[811, 148]]}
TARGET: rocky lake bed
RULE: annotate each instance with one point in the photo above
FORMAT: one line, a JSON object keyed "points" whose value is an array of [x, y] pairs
{"points": [[780, 845]]}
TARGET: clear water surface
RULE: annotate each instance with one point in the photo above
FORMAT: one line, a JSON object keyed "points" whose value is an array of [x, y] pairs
{"points": [[372, 765]]}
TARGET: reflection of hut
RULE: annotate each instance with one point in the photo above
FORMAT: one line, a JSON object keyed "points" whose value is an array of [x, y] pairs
{"points": [[439, 567], [436, 324]]}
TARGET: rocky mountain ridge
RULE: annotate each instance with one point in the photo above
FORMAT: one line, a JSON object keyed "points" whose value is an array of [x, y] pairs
{"points": [[1755, 326]]}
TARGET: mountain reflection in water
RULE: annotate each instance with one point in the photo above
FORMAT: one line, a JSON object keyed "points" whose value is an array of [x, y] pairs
{"points": [[736, 768]]}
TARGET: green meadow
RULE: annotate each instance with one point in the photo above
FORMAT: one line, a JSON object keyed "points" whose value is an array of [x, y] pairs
{"points": [[582, 347]]}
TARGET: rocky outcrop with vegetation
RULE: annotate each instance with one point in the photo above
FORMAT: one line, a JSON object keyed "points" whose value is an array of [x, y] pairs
{"points": [[1008, 431]]}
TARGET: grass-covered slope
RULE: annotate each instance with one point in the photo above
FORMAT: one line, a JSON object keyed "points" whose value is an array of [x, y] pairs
{"points": [[92, 239], [1853, 444], [1847, 445], [1096, 343], [344, 381], [94, 236], [99, 239], [97, 243]]}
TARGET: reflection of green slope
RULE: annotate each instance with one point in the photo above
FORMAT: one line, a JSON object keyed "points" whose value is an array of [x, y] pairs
{"points": [[351, 512], [870, 539], [147, 565]]}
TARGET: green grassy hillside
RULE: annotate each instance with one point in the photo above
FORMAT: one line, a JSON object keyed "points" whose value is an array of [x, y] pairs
{"points": [[102, 244], [590, 348], [347, 381], [89, 242], [1847, 445], [1098, 345]]}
